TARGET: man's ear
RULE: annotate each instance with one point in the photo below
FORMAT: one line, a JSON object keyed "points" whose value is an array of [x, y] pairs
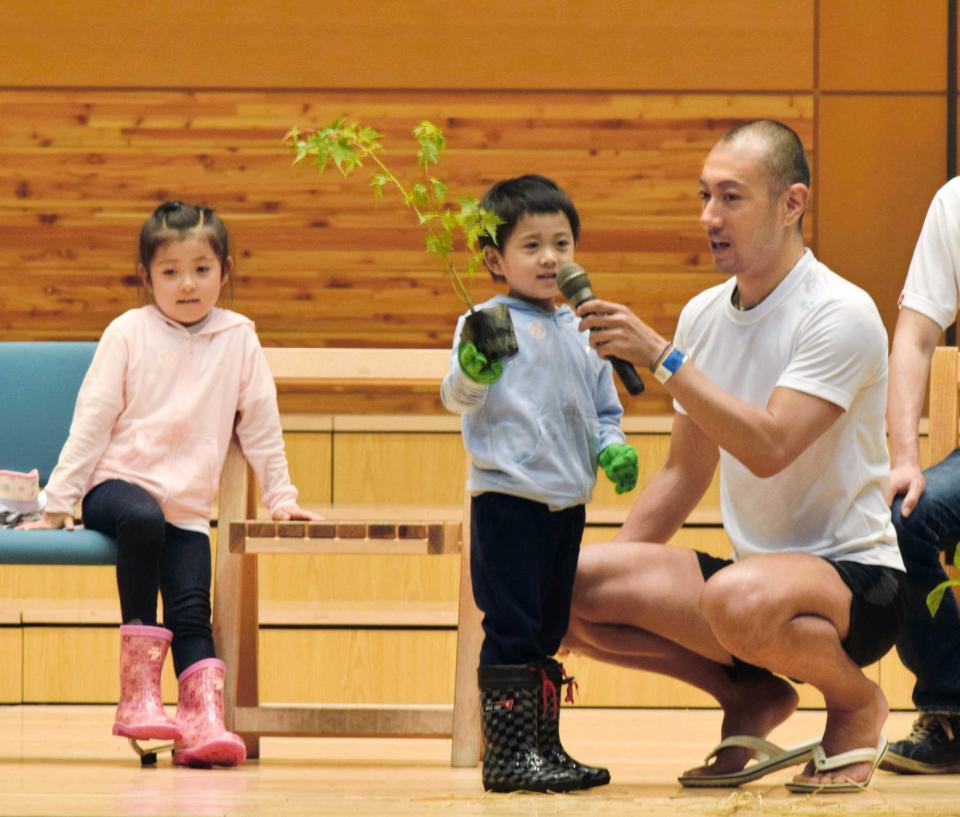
{"points": [[797, 198], [493, 261], [144, 277]]}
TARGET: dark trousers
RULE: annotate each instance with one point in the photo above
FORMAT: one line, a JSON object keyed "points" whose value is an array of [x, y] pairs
{"points": [[523, 560], [153, 555], [929, 646]]}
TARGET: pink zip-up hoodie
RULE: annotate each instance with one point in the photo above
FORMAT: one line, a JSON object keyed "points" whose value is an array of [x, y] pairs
{"points": [[157, 409]]}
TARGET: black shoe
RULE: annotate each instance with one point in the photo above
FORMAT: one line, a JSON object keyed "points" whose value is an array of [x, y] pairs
{"points": [[932, 747]]}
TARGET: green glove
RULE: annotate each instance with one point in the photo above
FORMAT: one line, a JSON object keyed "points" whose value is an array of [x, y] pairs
{"points": [[619, 463], [475, 365]]}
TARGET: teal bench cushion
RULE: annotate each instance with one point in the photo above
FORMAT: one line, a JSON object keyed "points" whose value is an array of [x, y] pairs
{"points": [[56, 547], [39, 382]]}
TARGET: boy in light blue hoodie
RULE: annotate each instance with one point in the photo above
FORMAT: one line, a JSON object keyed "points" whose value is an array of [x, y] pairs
{"points": [[536, 426]]}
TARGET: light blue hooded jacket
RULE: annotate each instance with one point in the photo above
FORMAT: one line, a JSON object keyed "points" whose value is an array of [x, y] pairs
{"points": [[537, 431]]}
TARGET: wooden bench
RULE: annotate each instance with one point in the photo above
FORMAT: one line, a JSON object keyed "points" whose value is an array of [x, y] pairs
{"points": [[944, 402], [40, 383], [944, 429], [354, 530]]}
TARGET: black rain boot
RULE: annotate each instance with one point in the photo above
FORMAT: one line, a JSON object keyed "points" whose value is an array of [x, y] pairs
{"points": [[548, 727], [509, 699]]}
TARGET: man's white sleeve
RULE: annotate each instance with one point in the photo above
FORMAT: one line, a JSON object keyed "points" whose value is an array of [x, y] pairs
{"points": [[840, 350], [931, 285]]}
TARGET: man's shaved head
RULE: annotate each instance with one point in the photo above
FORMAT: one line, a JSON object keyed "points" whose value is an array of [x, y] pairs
{"points": [[783, 157]]}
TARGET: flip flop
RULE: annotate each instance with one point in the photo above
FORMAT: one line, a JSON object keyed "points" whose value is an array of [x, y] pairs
{"points": [[822, 763], [769, 756]]}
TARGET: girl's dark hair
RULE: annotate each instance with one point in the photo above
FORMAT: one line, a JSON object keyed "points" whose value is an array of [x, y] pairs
{"points": [[511, 198], [172, 220]]}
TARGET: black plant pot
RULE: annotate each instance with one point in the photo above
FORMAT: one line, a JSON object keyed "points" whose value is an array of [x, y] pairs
{"points": [[491, 331]]}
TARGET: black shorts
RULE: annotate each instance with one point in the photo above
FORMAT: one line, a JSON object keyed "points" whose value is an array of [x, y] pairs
{"points": [[876, 609]]}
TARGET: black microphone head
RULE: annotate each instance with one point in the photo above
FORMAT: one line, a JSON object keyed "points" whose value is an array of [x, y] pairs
{"points": [[574, 283]]}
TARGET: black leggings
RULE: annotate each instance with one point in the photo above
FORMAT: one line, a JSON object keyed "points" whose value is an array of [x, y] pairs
{"points": [[153, 555]]}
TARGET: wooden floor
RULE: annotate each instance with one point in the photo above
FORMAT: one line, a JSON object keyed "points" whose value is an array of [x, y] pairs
{"points": [[62, 760]]}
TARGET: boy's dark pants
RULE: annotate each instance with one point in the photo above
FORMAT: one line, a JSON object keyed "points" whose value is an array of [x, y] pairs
{"points": [[523, 560]]}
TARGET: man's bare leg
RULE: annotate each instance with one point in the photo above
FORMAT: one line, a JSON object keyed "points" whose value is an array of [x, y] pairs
{"points": [[790, 612], [637, 605]]}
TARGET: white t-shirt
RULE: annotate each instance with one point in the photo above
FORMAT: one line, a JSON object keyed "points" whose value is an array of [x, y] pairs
{"points": [[934, 276], [819, 334]]}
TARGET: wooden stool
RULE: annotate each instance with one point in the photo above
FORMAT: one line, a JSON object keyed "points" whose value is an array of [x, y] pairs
{"points": [[345, 530]]}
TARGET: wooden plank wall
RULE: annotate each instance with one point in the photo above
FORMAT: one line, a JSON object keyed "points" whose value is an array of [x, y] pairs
{"points": [[318, 262], [115, 108], [881, 137], [107, 109]]}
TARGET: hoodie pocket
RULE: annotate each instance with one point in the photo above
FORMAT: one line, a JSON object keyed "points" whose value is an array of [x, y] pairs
{"points": [[518, 441], [195, 471], [564, 458], [146, 462], [185, 468]]}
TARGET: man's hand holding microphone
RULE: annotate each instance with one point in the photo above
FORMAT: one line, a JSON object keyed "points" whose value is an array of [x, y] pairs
{"points": [[617, 334], [575, 285]]}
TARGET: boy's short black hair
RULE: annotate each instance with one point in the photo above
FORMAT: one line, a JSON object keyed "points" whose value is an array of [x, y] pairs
{"points": [[512, 198]]}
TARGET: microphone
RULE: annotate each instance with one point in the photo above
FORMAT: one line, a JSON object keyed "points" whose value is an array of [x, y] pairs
{"points": [[575, 286]]}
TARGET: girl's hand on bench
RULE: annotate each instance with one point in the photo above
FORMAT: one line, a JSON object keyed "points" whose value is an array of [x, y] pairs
{"points": [[291, 512], [50, 521]]}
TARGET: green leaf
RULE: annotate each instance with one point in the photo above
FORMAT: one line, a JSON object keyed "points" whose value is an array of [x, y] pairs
{"points": [[427, 156], [476, 222], [333, 131], [439, 189], [431, 141], [935, 596], [314, 146], [439, 244], [474, 263], [320, 160], [345, 156], [369, 138], [301, 147], [346, 143], [469, 208], [489, 222], [472, 232], [380, 180], [302, 150], [956, 556], [419, 194]]}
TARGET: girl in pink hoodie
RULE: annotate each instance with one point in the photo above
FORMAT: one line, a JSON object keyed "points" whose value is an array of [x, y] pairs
{"points": [[153, 421]]}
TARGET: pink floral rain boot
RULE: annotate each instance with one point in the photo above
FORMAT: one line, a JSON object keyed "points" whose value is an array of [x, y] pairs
{"points": [[204, 741], [140, 713]]}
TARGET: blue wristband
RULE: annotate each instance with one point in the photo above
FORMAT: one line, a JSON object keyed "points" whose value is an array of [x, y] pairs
{"points": [[669, 365]]}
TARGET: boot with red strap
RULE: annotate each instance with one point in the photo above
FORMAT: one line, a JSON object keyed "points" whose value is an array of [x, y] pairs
{"points": [[548, 726], [509, 706]]}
